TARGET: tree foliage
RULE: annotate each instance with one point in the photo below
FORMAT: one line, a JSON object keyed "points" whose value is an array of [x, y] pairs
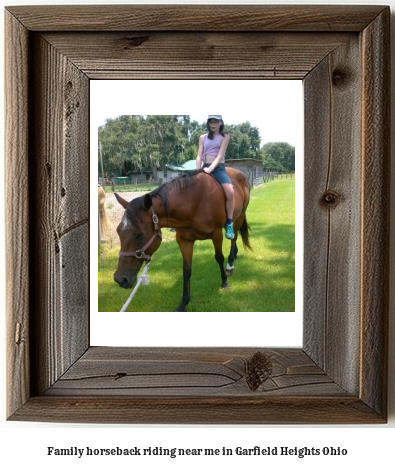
{"points": [[143, 143], [244, 141], [278, 156], [135, 143]]}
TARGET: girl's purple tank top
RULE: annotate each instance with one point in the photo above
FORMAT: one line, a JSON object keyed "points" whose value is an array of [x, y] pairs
{"points": [[211, 147]]}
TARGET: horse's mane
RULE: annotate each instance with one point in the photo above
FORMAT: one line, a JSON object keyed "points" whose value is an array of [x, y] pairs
{"points": [[179, 183], [185, 180]]}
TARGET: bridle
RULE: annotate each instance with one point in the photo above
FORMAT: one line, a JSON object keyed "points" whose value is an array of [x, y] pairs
{"points": [[140, 254]]}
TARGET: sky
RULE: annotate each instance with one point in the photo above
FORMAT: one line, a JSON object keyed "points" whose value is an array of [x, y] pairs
{"points": [[274, 106]]}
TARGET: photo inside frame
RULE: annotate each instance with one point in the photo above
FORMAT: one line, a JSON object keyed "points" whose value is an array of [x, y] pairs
{"points": [[275, 109]]}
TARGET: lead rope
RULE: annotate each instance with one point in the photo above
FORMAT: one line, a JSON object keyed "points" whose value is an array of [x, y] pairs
{"points": [[143, 279]]}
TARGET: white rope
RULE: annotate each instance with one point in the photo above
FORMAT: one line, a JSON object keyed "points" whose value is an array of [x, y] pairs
{"points": [[143, 279]]}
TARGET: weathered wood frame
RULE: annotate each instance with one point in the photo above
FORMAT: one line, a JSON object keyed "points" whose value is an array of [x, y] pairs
{"points": [[340, 374]]}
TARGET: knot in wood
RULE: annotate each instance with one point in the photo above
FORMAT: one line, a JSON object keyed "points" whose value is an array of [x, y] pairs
{"points": [[133, 41], [340, 77], [259, 369], [330, 199]]}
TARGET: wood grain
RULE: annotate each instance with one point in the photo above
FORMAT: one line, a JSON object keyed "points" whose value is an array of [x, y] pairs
{"points": [[178, 55], [196, 18], [211, 372], [121, 385], [333, 213], [17, 213], [198, 410], [339, 376], [60, 248], [376, 213]]}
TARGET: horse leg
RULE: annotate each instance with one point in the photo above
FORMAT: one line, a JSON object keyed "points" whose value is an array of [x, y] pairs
{"points": [[186, 248], [232, 256], [219, 257]]}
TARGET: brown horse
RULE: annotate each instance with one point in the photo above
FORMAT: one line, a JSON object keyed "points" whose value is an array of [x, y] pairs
{"points": [[193, 204]]}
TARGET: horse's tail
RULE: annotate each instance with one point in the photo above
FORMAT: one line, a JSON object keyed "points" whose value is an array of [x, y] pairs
{"points": [[245, 233]]}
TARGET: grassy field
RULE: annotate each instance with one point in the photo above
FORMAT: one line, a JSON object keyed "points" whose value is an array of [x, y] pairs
{"points": [[263, 279]]}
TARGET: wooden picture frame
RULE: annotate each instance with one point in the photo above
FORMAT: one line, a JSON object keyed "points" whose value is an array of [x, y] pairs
{"points": [[340, 374]]}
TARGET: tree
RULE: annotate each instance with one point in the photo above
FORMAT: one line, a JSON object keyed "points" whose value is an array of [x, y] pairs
{"points": [[278, 156], [119, 139], [244, 141], [146, 143]]}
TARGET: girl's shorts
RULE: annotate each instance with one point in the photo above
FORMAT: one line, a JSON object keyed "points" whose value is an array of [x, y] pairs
{"points": [[219, 173]]}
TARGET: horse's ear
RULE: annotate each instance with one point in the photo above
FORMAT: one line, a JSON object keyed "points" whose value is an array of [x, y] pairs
{"points": [[147, 202], [121, 200]]}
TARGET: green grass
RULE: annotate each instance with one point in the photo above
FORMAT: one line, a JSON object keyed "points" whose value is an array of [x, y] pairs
{"points": [[263, 279]]}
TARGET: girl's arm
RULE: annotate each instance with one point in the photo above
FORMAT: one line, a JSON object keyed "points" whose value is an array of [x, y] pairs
{"points": [[200, 152]]}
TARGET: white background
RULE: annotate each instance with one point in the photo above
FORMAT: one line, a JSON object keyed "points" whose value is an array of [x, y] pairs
{"points": [[25, 444]]}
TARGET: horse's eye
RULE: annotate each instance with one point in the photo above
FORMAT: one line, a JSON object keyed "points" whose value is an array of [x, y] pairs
{"points": [[139, 236]]}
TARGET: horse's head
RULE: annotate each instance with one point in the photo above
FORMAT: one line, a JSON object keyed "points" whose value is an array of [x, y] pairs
{"points": [[140, 237]]}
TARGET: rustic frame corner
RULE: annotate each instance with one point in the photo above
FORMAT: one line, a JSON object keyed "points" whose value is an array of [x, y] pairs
{"points": [[340, 374]]}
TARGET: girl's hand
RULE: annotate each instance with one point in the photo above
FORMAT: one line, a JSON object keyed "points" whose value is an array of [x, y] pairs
{"points": [[208, 169]]}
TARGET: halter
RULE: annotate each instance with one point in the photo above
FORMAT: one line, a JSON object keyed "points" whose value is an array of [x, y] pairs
{"points": [[140, 254]]}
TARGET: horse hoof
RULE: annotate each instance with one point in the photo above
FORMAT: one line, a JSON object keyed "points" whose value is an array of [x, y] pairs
{"points": [[180, 309], [225, 285], [229, 269]]}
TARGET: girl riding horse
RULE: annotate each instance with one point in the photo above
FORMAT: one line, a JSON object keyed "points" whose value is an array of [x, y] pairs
{"points": [[212, 148]]}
